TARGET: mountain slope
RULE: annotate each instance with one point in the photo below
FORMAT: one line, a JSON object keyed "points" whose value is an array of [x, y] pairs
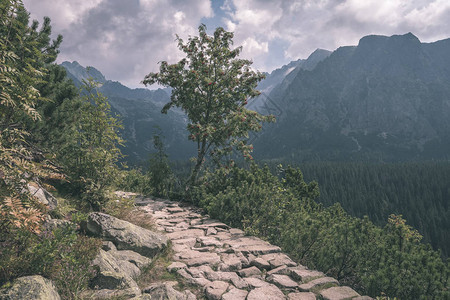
{"points": [[140, 112], [386, 99]]}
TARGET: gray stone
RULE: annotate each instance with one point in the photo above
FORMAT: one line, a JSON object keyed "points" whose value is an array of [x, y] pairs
{"points": [[236, 232], [210, 241], [231, 262], [31, 288], [302, 296], [132, 257], [186, 234], [106, 262], [126, 236], [260, 263], [110, 281], [115, 294], [175, 266], [216, 289], [202, 282], [211, 231], [317, 283], [107, 246], [183, 273], [163, 291], [338, 293], [200, 271], [111, 276], [252, 271], [282, 281], [43, 196], [253, 282], [267, 292], [129, 268], [203, 259], [53, 224], [221, 276], [278, 259], [363, 298], [239, 282], [235, 294], [174, 209], [305, 275], [280, 270]]}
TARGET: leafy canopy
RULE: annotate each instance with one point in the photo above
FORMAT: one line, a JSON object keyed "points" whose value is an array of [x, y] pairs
{"points": [[213, 86]]}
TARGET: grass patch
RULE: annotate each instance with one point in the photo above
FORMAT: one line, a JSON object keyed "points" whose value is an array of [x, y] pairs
{"points": [[157, 272], [125, 209]]}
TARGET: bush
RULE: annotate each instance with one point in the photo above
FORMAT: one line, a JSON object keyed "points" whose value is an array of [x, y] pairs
{"points": [[373, 260], [61, 255]]}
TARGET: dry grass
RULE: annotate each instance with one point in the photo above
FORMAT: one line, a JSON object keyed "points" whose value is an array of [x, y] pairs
{"points": [[124, 209]]}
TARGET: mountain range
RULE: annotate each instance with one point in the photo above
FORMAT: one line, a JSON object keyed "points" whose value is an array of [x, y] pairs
{"points": [[386, 99]]}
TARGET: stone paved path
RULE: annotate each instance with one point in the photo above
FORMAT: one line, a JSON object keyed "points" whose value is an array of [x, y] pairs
{"points": [[228, 265]]}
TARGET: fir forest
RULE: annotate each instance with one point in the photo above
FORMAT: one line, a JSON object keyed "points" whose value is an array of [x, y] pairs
{"points": [[327, 178]]}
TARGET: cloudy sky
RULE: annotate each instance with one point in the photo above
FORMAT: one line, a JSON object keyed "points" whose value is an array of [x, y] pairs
{"points": [[125, 39]]}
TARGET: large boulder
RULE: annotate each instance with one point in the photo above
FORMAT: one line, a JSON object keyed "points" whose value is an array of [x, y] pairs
{"points": [[111, 278], [126, 236], [30, 288]]}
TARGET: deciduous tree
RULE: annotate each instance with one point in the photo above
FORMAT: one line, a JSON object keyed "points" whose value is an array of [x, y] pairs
{"points": [[212, 85]]}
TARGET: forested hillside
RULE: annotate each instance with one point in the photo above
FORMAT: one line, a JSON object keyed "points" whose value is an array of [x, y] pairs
{"points": [[420, 192]]}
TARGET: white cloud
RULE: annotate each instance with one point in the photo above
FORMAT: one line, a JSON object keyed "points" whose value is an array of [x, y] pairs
{"points": [[126, 39], [309, 24], [123, 39]]}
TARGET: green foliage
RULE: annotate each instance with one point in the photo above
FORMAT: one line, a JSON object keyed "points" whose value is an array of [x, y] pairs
{"points": [[60, 255], [213, 86], [134, 180], [282, 210], [25, 52], [89, 144], [161, 176], [419, 191]]}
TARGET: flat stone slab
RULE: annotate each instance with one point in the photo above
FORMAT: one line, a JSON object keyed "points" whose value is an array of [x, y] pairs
{"points": [[260, 263], [338, 293], [317, 283], [248, 272], [253, 282], [302, 296], [184, 234], [235, 294], [203, 259], [305, 275], [267, 292], [282, 281], [216, 289]]}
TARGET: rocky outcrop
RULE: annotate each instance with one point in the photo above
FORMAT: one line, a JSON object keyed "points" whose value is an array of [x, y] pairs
{"points": [[126, 236], [30, 288]]}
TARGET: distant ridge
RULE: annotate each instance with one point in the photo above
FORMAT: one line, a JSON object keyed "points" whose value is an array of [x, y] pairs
{"points": [[386, 99]]}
